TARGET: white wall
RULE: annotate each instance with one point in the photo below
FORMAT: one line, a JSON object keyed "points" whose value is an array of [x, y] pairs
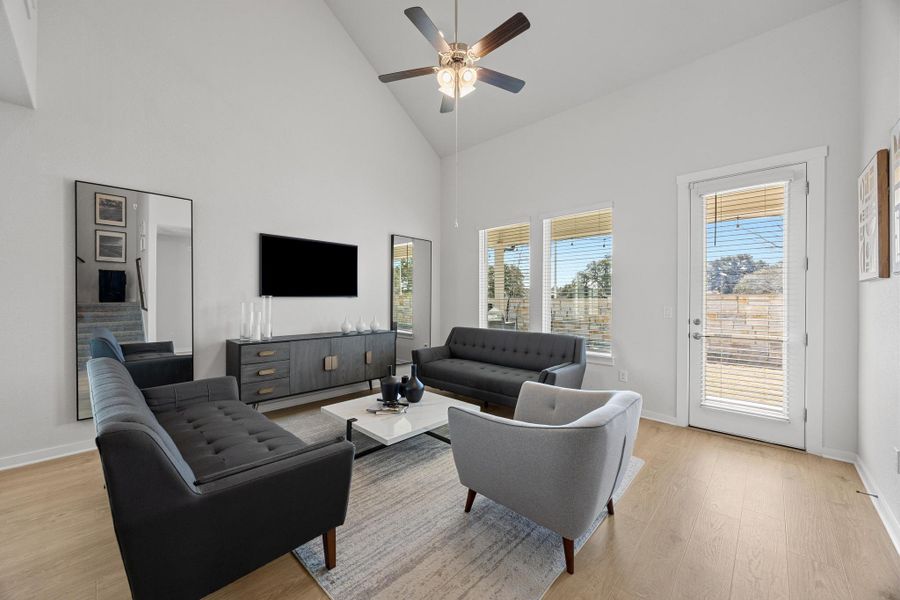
{"points": [[789, 89], [879, 300], [18, 52], [269, 119]]}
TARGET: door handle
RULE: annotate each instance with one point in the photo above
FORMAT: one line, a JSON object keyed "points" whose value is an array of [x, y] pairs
{"points": [[334, 362], [697, 321], [369, 357], [328, 363], [697, 336]]}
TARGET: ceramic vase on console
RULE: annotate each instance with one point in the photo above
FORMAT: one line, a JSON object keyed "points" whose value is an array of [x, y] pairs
{"points": [[414, 388], [390, 388], [346, 326], [361, 326], [374, 325]]}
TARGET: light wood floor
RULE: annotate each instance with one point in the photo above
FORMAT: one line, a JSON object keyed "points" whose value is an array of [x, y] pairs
{"points": [[708, 516]]}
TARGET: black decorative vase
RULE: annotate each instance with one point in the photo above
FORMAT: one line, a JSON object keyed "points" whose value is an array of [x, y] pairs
{"points": [[414, 388], [390, 388]]}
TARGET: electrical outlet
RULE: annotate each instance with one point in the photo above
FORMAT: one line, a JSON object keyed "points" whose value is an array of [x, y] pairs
{"points": [[623, 375], [668, 312]]}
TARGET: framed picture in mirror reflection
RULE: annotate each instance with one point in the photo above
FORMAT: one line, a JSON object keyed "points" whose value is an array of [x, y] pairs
{"points": [[109, 209], [110, 246]]}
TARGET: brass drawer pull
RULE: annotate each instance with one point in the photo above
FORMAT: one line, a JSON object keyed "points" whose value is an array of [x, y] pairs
{"points": [[334, 362], [327, 363], [266, 353], [369, 357], [265, 391], [266, 372]]}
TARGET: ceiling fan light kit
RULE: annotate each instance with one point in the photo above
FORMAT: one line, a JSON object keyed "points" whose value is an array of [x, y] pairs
{"points": [[457, 71]]}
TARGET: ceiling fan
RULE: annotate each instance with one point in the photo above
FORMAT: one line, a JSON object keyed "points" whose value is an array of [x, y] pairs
{"points": [[457, 71]]}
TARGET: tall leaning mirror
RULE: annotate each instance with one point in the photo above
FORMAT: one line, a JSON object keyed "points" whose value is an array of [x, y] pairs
{"points": [[133, 285], [410, 294]]}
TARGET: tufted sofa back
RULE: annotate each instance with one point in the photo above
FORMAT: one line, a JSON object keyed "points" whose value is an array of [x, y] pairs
{"points": [[518, 349], [118, 405]]}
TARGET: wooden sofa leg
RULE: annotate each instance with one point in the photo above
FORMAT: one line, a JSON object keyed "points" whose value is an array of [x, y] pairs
{"points": [[609, 507], [569, 549], [470, 499], [328, 540]]}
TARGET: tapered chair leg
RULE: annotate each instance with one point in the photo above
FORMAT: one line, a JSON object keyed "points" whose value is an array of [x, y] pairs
{"points": [[609, 507], [470, 499], [328, 540], [569, 549]]}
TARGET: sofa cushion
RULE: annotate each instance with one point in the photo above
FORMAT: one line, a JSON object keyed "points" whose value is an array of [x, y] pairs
{"points": [[527, 350], [146, 356], [223, 436], [489, 377]]}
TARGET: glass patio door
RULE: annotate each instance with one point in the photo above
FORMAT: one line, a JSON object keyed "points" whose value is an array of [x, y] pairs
{"points": [[748, 305]]}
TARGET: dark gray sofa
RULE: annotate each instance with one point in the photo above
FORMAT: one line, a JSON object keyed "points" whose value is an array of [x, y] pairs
{"points": [[492, 364], [202, 488], [151, 364]]}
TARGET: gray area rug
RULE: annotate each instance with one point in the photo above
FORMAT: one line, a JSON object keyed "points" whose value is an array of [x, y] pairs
{"points": [[406, 534]]}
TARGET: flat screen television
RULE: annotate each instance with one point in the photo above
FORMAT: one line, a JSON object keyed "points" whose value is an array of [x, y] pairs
{"points": [[306, 268]]}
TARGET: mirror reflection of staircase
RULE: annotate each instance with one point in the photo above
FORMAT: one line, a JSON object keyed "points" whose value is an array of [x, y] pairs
{"points": [[124, 319]]}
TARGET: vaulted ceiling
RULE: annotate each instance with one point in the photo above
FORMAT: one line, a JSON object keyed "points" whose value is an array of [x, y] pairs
{"points": [[575, 51]]}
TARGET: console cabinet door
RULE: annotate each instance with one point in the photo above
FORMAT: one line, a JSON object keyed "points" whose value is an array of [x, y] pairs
{"points": [[350, 353], [381, 345], [308, 365]]}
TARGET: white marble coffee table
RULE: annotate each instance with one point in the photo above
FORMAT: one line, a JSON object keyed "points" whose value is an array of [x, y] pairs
{"points": [[422, 417]]}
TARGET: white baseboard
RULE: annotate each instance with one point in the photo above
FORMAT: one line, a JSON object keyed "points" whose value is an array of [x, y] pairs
{"points": [[891, 523], [841, 455], [662, 418], [36, 456]]}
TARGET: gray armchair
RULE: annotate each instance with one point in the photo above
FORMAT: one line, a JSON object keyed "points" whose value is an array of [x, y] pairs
{"points": [[557, 462]]}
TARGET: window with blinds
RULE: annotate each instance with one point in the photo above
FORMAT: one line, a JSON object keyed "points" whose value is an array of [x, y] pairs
{"points": [[745, 329], [403, 286], [577, 286], [505, 277]]}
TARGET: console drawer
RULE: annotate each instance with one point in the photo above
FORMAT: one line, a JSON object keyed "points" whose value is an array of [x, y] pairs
{"points": [[258, 353], [265, 371], [265, 390]]}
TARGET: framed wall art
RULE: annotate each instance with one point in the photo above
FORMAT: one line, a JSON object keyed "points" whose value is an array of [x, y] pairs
{"points": [[874, 220]]}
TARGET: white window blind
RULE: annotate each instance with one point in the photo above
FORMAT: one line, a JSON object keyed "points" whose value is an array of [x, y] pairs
{"points": [[505, 277], [403, 286], [745, 330], [577, 286]]}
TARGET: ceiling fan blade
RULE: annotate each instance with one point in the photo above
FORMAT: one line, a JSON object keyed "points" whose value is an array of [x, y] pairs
{"points": [[424, 24], [500, 80], [447, 103], [406, 74], [513, 26]]}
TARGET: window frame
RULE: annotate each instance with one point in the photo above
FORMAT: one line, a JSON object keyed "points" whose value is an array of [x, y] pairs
{"points": [[542, 220], [481, 273]]}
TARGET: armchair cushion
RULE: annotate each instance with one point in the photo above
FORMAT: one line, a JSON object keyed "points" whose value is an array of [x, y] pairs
{"points": [[421, 356]]}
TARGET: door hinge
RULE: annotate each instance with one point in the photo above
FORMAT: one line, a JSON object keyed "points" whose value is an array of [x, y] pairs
{"points": [[807, 187], [806, 340], [805, 415], [807, 263]]}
